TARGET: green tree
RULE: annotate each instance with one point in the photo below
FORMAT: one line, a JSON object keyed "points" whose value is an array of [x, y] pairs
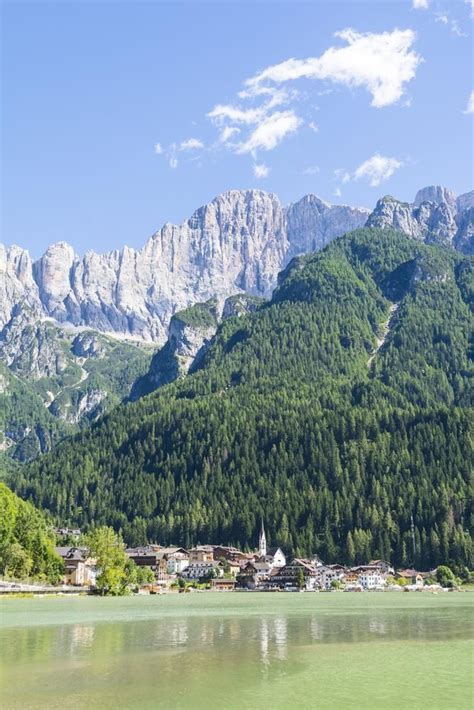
{"points": [[116, 573], [300, 581], [445, 576]]}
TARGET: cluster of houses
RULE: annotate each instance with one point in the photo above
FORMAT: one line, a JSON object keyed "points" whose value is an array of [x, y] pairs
{"points": [[226, 568]]}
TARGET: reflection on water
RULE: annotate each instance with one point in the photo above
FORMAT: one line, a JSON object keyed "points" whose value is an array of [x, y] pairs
{"points": [[273, 634], [194, 658]]}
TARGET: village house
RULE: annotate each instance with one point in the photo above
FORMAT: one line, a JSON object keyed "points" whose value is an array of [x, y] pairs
{"points": [[329, 573], [370, 577], [151, 556], [177, 559], [233, 568], [288, 576], [203, 570], [223, 585], [231, 554], [79, 568], [254, 574], [201, 553], [384, 566], [71, 533], [412, 576]]}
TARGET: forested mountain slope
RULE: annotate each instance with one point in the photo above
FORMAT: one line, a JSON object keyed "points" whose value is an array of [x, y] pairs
{"points": [[295, 416]]}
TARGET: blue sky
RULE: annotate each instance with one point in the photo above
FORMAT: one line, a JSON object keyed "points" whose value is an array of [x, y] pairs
{"points": [[106, 105]]}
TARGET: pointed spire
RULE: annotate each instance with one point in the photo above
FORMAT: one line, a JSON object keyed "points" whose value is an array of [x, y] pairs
{"points": [[262, 542]]}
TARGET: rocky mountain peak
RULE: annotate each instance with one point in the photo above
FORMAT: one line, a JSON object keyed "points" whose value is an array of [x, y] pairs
{"points": [[436, 216], [436, 194], [235, 244]]}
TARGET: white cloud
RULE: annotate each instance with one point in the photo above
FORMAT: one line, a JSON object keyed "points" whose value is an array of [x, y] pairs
{"points": [[471, 5], [382, 63], [314, 127], [227, 133], [311, 170], [158, 148], [470, 104], [223, 112], [452, 25], [420, 4], [260, 170], [270, 132], [249, 116], [376, 169], [191, 144], [173, 162], [337, 192]]}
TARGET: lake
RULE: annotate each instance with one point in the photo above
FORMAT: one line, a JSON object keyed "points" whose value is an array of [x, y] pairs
{"points": [[231, 650]]}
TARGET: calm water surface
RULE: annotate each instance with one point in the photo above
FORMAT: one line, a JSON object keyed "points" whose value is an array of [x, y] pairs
{"points": [[229, 651]]}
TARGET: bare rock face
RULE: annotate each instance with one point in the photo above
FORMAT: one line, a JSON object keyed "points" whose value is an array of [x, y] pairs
{"points": [[436, 217], [312, 223], [30, 348], [236, 243], [437, 195], [465, 202], [464, 239]]}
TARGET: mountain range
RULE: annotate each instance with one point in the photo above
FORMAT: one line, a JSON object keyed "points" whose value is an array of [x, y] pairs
{"points": [[239, 242], [339, 410], [77, 335]]}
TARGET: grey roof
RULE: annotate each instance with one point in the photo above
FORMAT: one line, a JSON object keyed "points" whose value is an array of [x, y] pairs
{"points": [[71, 553]]}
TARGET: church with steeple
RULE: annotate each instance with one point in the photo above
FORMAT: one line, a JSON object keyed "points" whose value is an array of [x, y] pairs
{"points": [[273, 556]]}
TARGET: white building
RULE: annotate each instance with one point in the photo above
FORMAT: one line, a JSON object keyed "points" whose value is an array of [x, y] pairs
{"points": [[329, 573], [275, 557], [196, 570], [371, 579]]}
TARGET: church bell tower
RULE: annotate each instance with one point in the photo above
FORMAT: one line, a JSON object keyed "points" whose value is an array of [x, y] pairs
{"points": [[262, 542]]}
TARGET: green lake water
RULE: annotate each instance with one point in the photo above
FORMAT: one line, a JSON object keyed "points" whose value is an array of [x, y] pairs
{"points": [[218, 650]]}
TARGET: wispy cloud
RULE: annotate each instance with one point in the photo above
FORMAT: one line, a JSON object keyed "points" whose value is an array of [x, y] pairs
{"points": [[227, 133], [311, 170], [270, 132], [376, 169], [270, 107], [191, 144], [445, 19], [260, 170], [171, 152], [420, 4], [381, 63], [470, 104]]}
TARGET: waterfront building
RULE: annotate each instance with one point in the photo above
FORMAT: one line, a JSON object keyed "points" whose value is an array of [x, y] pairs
{"points": [[289, 575], [79, 569]]}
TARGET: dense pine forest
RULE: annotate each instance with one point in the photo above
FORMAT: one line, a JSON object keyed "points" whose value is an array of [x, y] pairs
{"points": [[297, 414]]}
